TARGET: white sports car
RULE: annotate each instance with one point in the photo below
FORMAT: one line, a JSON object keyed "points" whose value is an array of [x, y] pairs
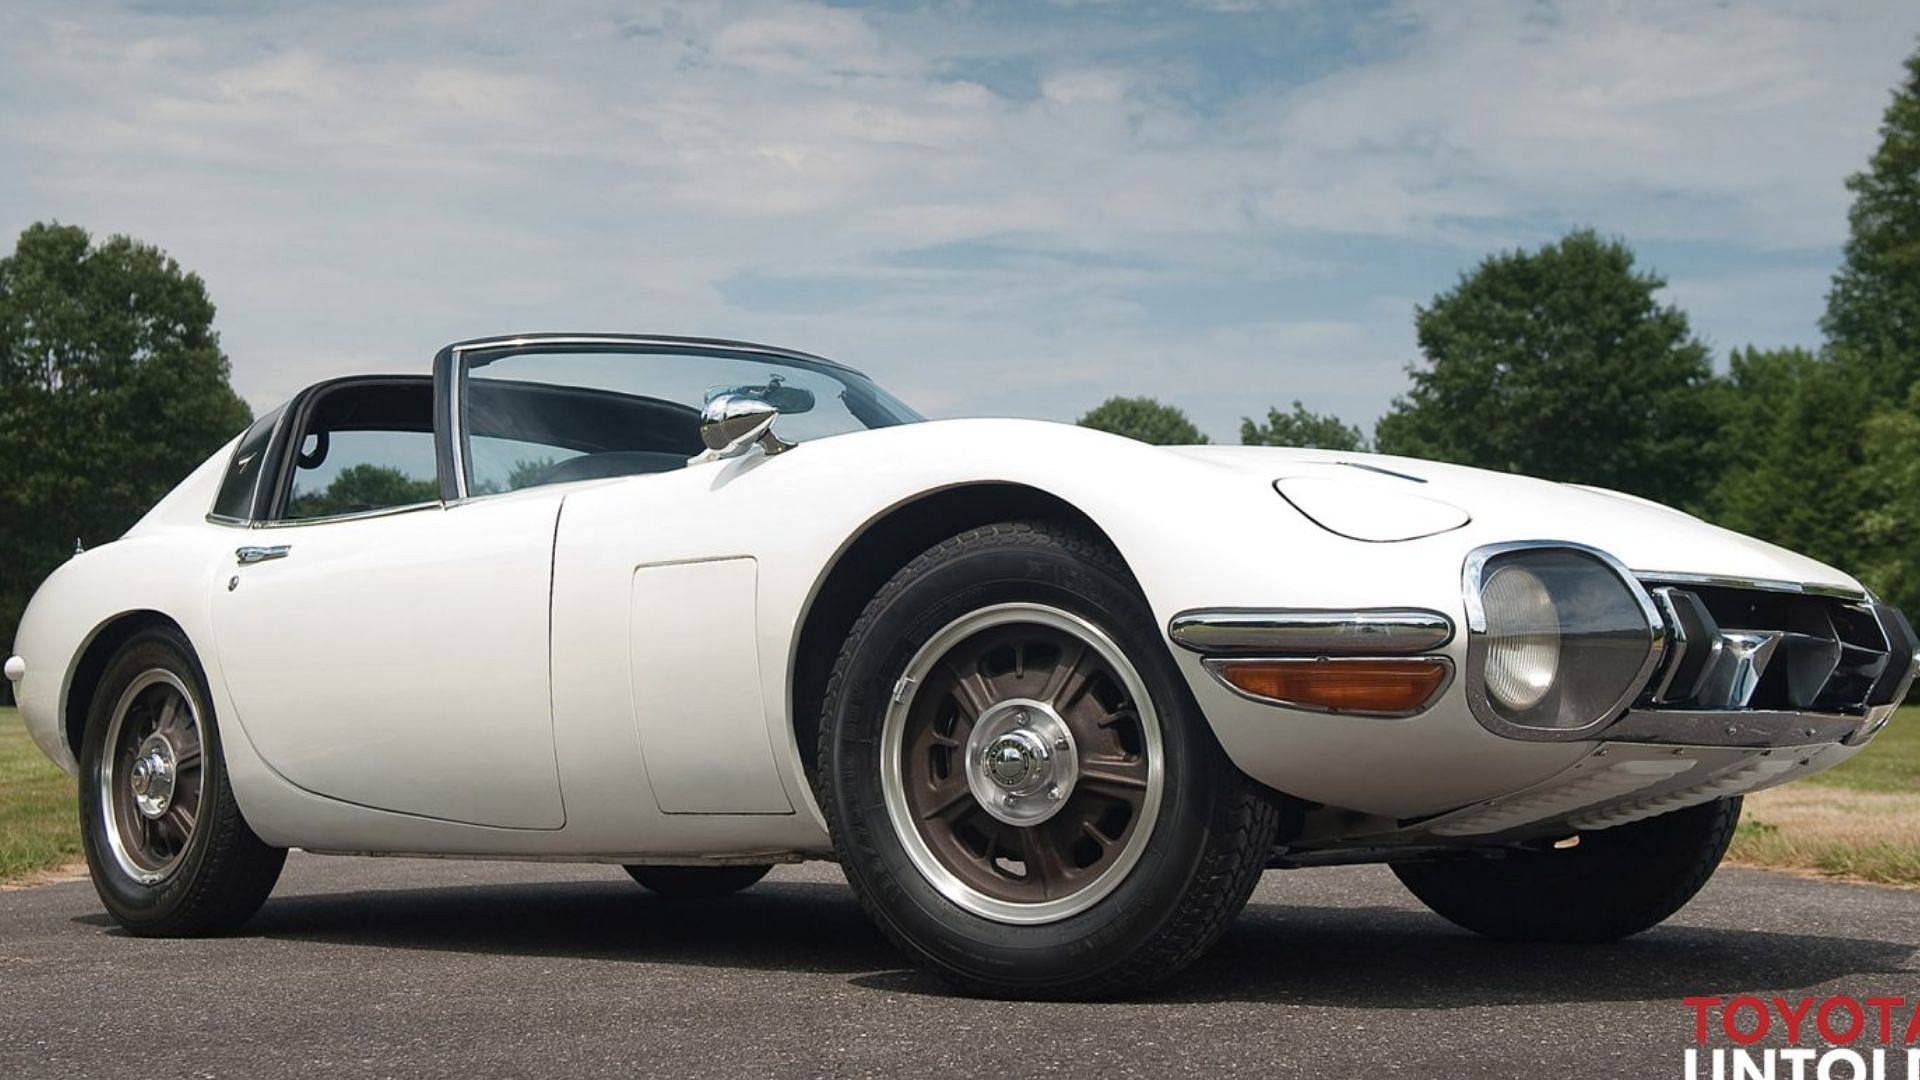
{"points": [[1052, 698]]}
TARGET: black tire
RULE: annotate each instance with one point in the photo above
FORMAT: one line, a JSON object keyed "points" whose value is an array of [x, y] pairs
{"points": [[1201, 858], [697, 882], [223, 871], [1615, 883]]}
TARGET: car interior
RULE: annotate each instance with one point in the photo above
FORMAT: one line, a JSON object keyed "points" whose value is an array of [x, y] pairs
{"points": [[367, 444]]}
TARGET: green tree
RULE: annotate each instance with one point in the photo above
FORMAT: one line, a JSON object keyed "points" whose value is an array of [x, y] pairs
{"points": [[1890, 525], [1812, 445], [112, 388], [1789, 449], [1873, 309], [1145, 419], [361, 487], [1301, 428], [1561, 363]]}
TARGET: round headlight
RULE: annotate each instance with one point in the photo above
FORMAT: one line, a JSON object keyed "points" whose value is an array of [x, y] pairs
{"points": [[1523, 655], [1561, 641]]}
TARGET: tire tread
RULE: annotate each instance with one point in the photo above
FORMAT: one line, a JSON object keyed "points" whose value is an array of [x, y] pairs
{"points": [[1239, 834]]}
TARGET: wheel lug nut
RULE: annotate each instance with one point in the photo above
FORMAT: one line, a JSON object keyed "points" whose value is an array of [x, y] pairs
{"points": [[1060, 743], [1053, 793], [1010, 801]]}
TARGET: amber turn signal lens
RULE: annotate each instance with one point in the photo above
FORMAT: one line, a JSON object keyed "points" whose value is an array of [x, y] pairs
{"points": [[1362, 686]]}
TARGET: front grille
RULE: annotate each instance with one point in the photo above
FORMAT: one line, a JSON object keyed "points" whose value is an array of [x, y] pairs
{"points": [[1735, 648]]}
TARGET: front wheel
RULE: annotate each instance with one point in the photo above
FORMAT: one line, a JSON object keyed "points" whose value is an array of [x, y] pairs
{"points": [[1020, 787], [1614, 883], [166, 846]]}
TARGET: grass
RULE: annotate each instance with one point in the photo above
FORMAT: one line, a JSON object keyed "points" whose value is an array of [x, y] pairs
{"points": [[1860, 820], [1890, 764], [39, 823]]}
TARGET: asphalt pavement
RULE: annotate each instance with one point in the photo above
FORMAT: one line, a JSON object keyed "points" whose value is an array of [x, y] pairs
{"points": [[411, 968]]}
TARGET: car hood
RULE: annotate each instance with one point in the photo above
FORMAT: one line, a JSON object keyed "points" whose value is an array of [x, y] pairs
{"points": [[1361, 495]]}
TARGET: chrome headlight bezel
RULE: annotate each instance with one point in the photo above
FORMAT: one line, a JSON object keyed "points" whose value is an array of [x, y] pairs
{"points": [[1481, 566]]}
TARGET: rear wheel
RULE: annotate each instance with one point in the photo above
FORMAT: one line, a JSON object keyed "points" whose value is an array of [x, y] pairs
{"points": [[1614, 883], [1020, 787], [169, 853], [697, 882]]}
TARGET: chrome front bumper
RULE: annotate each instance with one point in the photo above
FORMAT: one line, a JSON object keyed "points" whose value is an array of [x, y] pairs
{"points": [[1707, 690]]}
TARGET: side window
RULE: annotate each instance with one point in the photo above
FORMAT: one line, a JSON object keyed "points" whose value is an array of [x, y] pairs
{"points": [[235, 502], [364, 447]]}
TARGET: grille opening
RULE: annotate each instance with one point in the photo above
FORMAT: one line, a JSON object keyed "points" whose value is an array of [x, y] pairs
{"points": [[1775, 651]]}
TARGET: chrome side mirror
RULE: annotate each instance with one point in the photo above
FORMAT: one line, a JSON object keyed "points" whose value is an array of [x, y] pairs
{"points": [[732, 422]]}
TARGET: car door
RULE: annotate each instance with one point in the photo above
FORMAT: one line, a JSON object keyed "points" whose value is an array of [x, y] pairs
{"points": [[657, 628], [383, 647]]}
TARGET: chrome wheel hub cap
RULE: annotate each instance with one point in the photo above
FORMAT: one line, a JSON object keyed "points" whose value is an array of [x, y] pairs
{"points": [[1023, 761], [1020, 762], [152, 777]]}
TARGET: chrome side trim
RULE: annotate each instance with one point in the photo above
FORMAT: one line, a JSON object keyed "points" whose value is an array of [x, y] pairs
{"points": [[358, 515], [1310, 632], [1662, 577], [1216, 664], [1473, 573]]}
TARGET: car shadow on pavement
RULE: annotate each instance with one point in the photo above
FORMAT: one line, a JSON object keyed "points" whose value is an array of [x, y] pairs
{"points": [[777, 926], [1394, 958], [1354, 956]]}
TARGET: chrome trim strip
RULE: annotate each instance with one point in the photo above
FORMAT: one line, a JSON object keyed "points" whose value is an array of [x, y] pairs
{"points": [[1310, 631], [385, 511], [1472, 574], [1214, 664], [662, 342], [1753, 728], [1891, 620], [457, 423], [1677, 642], [1662, 577]]}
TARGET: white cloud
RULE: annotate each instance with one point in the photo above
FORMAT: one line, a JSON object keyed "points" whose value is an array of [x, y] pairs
{"points": [[360, 183]]}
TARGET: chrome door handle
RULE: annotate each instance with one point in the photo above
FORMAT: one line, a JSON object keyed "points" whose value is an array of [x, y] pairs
{"points": [[250, 555]]}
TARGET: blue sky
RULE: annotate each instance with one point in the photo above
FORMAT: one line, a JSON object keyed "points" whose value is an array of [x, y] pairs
{"points": [[994, 208]]}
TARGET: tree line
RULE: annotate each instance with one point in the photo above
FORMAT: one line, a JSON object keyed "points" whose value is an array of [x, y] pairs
{"points": [[1559, 361], [1562, 362]]}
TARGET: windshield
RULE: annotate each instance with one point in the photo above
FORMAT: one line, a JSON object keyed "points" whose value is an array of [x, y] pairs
{"points": [[549, 415]]}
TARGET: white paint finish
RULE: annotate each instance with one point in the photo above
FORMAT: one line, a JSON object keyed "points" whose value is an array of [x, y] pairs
{"points": [[400, 661], [704, 739], [1614, 783], [161, 565], [1646, 536], [1365, 506], [1754, 774], [16, 669], [1199, 527], [1596, 785]]}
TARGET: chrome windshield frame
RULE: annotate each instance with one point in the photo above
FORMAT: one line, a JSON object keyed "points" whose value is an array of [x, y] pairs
{"points": [[452, 363]]}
